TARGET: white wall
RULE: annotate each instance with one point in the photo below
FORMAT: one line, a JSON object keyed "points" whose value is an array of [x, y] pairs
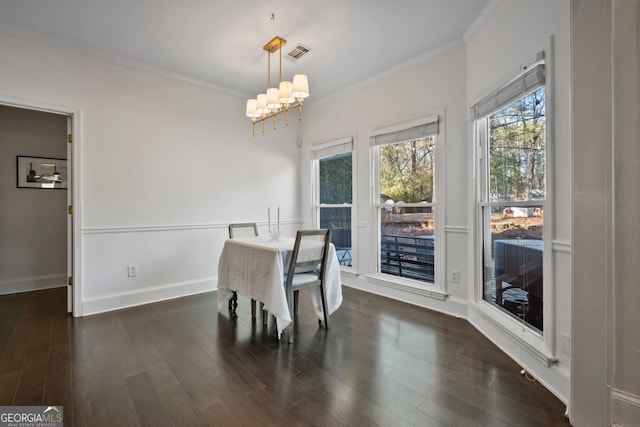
{"points": [[165, 167], [506, 40], [425, 87], [451, 81], [33, 222]]}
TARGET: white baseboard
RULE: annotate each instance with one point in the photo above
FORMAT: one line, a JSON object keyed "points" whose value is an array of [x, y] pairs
{"points": [[37, 283], [541, 365], [625, 408], [104, 303], [435, 301]]}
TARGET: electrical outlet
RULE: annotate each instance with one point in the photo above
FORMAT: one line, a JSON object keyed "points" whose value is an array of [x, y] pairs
{"points": [[132, 270], [455, 276]]}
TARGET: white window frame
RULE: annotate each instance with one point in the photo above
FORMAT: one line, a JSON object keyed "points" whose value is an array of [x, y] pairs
{"points": [[321, 151], [437, 289], [539, 345]]}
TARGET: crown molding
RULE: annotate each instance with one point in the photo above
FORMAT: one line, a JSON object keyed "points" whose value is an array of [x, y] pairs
{"points": [[482, 16], [77, 49], [368, 81]]}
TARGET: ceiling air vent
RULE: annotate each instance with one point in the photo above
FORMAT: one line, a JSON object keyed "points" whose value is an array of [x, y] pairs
{"points": [[297, 52]]}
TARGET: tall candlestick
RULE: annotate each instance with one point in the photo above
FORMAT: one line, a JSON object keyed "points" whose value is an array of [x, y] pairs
{"points": [[278, 219], [269, 218]]}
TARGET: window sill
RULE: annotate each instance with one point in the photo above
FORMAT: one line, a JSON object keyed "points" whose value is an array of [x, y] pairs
{"points": [[410, 286], [348, 272], [523, 337]]}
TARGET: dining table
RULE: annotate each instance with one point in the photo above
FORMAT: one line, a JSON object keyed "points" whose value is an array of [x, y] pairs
{"points": [[256, 267]]}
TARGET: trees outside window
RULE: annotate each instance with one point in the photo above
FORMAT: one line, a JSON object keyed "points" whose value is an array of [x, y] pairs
{"points": [[517, 145], [513, 165], [406, 171], [334, 198], [405, 189]]}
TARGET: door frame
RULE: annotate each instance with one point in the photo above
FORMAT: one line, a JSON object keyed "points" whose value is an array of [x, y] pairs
{"points": [[74, 167]]}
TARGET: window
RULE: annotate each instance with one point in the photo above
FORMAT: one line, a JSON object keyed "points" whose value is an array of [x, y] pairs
{"points": [[511, 131], [405, 201], [333, 165]]}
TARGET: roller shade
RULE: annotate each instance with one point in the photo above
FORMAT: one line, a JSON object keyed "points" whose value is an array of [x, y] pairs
{"points": [[430, 128], [527, 82], [332, 149]]}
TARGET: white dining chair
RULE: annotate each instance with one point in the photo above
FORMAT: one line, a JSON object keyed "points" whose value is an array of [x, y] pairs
{"points": [[245, 229], [307, 269]]}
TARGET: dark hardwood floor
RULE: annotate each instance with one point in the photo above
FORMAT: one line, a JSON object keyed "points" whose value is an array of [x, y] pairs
{"points": [[182, 363]]}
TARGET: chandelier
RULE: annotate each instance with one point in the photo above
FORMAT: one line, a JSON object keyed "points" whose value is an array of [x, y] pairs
{"points": [[286, 96]]}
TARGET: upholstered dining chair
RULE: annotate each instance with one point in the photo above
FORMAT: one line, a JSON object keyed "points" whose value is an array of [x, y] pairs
{"points": [[307, 269], [239, 230]]}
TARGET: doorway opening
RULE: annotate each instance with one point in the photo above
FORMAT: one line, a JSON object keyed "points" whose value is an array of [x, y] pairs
{"points": [[36, 221]]}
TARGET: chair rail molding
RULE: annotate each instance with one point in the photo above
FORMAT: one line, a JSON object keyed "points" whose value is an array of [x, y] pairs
{"points": [[561, 246], [626, 405], [169, 227], [456, 229]]}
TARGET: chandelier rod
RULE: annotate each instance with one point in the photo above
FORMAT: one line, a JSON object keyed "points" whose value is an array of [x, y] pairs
{"points": [[280, 73]]}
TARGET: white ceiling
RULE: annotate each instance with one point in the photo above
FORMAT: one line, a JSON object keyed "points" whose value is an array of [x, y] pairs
{"points": [[219, 43]]}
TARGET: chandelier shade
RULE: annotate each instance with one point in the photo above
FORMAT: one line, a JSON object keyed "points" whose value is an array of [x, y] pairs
{"points": [[278, 98], [273, 102], [261, 104], [300, 87], [284, 90], [251, 108]]}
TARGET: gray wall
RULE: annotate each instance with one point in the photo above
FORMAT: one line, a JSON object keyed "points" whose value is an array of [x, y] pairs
{"points": [[33, 228]]}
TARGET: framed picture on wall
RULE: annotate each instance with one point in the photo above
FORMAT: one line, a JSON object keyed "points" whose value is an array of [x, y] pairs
{"points": [[41, 172]]}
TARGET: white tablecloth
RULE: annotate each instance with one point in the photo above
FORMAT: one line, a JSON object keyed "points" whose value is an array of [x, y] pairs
{"points": [[255, 267]]}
